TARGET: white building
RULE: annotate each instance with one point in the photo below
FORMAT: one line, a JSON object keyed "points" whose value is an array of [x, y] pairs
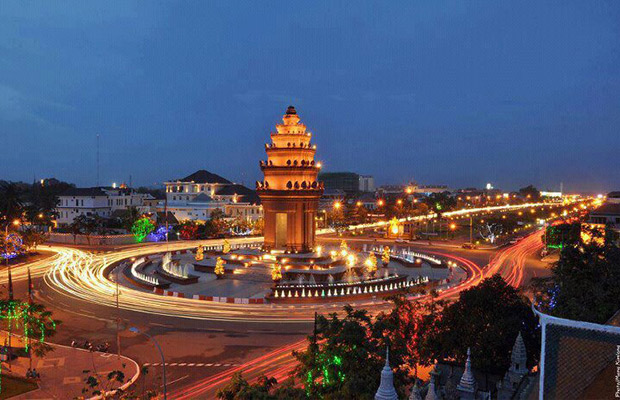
{"points": [[196, 196], [100, 201], [366, 183]]}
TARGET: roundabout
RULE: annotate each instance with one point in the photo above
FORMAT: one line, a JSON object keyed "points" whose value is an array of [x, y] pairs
{"points": [[92, 278]]}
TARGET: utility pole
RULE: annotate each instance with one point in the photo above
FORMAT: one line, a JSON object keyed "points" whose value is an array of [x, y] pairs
{"points": [[471, 229], [97, 159], [118, 314]]}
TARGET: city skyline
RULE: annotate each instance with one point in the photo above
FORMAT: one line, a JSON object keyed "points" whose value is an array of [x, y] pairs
{"points": [[508, 96]]}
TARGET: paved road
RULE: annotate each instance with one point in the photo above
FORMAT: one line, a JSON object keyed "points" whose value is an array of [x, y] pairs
{"points": [[202, 353]]}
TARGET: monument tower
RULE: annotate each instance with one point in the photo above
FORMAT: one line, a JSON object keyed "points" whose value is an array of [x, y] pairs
{"points": [[290, 191]]}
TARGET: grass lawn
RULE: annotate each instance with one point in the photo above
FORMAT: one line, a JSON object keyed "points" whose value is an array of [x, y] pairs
{"points": [[14, 386]]}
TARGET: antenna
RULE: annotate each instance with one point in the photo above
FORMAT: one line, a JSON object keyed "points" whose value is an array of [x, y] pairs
{"points": [[97, 159]]}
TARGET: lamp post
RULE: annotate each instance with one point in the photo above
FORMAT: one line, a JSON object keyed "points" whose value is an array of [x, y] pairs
{"points": [[161, 353]]}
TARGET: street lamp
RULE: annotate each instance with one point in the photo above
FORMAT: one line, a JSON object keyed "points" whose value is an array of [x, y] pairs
{"points": [[161, 353], [337, 205]]}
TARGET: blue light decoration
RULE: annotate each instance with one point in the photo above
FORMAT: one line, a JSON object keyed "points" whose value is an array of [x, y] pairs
{"points": [[158, 235], [14, 246]]}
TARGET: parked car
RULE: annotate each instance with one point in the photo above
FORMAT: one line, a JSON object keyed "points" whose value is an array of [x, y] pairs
{"points": [[470, 246]]}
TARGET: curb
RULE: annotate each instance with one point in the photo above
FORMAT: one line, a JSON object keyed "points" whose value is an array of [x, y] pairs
{"points": [[229, 300], [122, 387]]}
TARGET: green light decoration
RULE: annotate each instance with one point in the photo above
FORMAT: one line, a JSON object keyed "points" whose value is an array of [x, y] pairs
{"points": [[141, 228], [329, 366], [32, 317]]}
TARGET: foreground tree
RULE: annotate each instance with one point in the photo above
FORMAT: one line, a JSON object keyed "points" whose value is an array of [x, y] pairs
{"points": [[342, 359], [264, 389], [585, 282], [487, 318]]}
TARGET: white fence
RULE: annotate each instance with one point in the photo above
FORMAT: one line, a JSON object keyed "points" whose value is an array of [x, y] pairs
{"points": [[93, 240]]}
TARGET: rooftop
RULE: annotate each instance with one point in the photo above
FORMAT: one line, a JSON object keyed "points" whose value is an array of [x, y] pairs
{"points": [[607, 209], [90, 192], [204, 176]]}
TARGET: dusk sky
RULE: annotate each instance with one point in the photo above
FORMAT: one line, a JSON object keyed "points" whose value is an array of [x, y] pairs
{"points": [[456, 93]]}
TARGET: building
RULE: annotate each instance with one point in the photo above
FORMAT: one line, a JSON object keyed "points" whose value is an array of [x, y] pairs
{"points": [[366, 183], [201, 181], [290, 191], [197, 195], [97, 201], [607, 215], [430, 189], [579, 360], [348, 182]]}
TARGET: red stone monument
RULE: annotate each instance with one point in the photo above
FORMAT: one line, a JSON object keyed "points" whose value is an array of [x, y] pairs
{"points": [[290, 191]]}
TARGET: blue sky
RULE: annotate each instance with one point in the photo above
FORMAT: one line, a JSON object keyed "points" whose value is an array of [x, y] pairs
{"points": [[458, 93]]}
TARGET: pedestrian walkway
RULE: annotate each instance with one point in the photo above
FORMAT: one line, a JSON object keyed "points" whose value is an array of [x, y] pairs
{"points": [[182, 364], [62, 371]]}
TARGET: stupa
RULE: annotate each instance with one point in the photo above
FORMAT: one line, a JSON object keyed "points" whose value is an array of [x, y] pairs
{"points": [[290, 191]]}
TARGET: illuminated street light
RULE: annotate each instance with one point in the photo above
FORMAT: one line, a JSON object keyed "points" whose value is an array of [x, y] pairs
{"points": [[337, 205], [380, 202], [161, 353]]}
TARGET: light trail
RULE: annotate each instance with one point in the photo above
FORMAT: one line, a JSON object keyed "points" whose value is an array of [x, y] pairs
{"points": [[81, 275], [510, 262], [280, 359]]}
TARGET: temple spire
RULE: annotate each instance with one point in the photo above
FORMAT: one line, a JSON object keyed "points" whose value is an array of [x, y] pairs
{"points": [[518, 358], [415, 391], [386, 389], [432, 394], [467, 385]]}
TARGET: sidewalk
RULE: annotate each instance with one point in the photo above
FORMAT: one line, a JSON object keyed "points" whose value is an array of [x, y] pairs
{"points": [[62, 375]]}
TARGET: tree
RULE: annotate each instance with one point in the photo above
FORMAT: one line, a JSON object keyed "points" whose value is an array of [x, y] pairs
{"points": [[585, 281], [85, 225], [490, 230], [34, 320], [98, 384], [440, 202], [217, 218], [130, 217], [265, 388], [32, 237], [343, 360], [487, 318], [258, 226], [402, 326], [141, 228], [530, 193], [11, 203], [189, 229], [43, 200], [39, 325]]}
